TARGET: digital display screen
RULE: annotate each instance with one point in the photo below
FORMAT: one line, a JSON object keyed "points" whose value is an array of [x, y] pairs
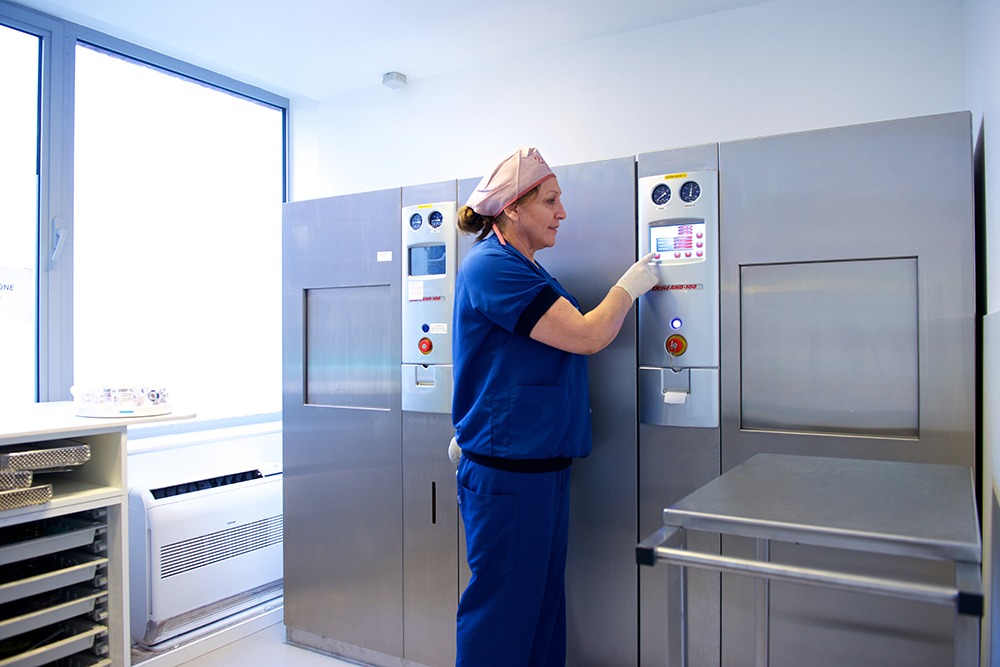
{"points": [[684, 242], [427, 260]]}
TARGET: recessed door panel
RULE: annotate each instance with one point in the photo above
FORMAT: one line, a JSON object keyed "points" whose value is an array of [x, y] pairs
{"points": [[830, 347], [348, 348]]}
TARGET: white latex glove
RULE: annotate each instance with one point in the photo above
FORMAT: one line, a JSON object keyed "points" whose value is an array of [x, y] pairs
{"points": [[639, 279], [454, 451]]}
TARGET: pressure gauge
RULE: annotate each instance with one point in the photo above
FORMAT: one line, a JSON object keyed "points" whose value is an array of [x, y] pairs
{"points": [[436, 219], [415, 221], [661, 194], [690, 191]]}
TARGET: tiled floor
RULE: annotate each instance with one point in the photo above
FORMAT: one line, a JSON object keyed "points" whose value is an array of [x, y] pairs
{"points": [[266, 647]]}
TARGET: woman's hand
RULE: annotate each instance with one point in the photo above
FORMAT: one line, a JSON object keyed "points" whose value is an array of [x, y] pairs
{"points": [[639, 279]]}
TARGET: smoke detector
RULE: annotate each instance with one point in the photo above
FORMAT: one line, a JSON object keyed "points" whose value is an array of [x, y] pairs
{"points": [[393, 80]]}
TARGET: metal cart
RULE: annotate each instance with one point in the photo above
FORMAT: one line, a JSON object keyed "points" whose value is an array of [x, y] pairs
{"points": [[877, 507]]}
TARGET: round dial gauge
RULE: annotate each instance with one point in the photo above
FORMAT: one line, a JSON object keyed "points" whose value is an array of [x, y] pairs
{"points": [[661, 194], [690, 191], [436, 219], [416, 220]]}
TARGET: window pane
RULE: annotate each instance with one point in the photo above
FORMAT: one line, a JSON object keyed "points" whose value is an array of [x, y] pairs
{"points": [[19, 53], [177, 218]]}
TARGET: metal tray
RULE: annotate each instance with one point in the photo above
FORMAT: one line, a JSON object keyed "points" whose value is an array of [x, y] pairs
{"points": [[46, 456], [13, 499], [78, 533], [81, 639], [67, 575], [85, 660], [75, 603], [15, 479]]}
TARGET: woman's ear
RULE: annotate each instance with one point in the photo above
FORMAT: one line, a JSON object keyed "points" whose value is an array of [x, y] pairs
{"points": [[511, 212]]}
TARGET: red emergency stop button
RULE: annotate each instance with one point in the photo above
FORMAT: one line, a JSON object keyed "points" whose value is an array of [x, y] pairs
{"points": [[676, 345], [425, 345]]}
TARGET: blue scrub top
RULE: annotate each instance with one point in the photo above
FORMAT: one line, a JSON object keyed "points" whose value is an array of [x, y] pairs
{"points": [[514, 397]]}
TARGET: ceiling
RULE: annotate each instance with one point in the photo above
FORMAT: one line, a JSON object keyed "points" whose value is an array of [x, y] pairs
{"points": [[321, 49]]}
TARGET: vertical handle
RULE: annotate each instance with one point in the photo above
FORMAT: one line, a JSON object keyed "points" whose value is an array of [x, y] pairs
{"points": [[434, 503], [59, 234]]}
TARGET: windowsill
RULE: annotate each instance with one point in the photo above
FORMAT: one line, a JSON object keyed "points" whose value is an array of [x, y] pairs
{"points": [[152, 437]]}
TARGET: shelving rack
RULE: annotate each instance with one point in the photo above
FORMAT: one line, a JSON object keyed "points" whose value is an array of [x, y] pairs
{"points": [[63, 563]]}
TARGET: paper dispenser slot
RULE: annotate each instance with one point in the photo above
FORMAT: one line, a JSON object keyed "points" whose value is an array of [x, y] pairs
{"points": [[676, 385], [684, 397], [425, 375], [426, 388]]}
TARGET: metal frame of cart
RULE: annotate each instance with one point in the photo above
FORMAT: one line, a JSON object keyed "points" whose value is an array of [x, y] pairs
{"points": [[920, 510]]}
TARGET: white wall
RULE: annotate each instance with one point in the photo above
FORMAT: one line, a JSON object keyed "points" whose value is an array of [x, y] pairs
{"points": [[771, 68]]}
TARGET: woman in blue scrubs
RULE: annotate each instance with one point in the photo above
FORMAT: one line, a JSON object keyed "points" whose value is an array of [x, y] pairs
{"points": [[521, 413]]}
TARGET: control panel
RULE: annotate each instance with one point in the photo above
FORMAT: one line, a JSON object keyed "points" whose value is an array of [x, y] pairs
{"points": [[429, 265], [678, 218]]}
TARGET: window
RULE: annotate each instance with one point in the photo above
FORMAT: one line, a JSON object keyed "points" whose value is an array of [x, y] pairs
{"points": [[141, 205], [177, 232], [19, 51]]}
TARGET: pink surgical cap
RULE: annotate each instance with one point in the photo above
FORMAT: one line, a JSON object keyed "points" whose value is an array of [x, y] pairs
{"points": [[513, 177]]}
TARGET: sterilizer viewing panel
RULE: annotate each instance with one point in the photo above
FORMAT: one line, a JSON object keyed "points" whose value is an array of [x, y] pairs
{"points": [[830, 347]]}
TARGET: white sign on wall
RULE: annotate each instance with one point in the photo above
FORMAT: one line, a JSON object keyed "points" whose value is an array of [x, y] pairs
{"points": [[17, 336]]}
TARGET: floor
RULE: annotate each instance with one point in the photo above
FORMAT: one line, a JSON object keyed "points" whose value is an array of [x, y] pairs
{"points": [[265, 647]]}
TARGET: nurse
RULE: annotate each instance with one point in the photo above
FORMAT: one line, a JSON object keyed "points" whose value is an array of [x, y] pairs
{"points": [[521, 413]]}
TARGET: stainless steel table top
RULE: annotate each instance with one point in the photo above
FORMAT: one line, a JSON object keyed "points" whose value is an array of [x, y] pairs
{"points": [[896, 508]]}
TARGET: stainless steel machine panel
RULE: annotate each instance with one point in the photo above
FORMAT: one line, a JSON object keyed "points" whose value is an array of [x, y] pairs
{"points": [[679, 440], [430, 505], [595, 245], [341, 455], [678, 220], [429, 262], [848, 330], [885, 199]]}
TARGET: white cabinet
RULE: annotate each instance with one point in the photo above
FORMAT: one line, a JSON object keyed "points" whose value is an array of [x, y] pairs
{"points": [[63, 563]]}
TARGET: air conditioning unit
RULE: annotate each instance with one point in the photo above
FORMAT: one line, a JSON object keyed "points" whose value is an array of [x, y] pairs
{"points": [[203, 549]]}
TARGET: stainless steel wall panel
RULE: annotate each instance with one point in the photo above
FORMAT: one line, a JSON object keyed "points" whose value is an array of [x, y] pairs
{"points": [[430, 515], [430, 540], [595, 245], [342, 465], [843, 249], [876, 191], [674, 461], [465, 242], [703, 157]]}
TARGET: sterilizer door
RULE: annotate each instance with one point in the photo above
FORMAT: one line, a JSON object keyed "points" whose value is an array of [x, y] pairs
{"points": [[341, 442]]}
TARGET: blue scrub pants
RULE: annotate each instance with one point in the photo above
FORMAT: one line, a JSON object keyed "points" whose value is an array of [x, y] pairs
{"points": [[513, 613]]}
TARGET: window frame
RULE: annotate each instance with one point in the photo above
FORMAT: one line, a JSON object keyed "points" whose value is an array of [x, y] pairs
{"points": [[59, 39]]}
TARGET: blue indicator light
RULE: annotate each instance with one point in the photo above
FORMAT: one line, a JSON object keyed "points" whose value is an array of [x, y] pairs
{"points": [[676, 323], [426, 328]]}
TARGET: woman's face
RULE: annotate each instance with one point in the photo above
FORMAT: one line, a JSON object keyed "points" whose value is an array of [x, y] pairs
{"points": [[536, 221]]}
